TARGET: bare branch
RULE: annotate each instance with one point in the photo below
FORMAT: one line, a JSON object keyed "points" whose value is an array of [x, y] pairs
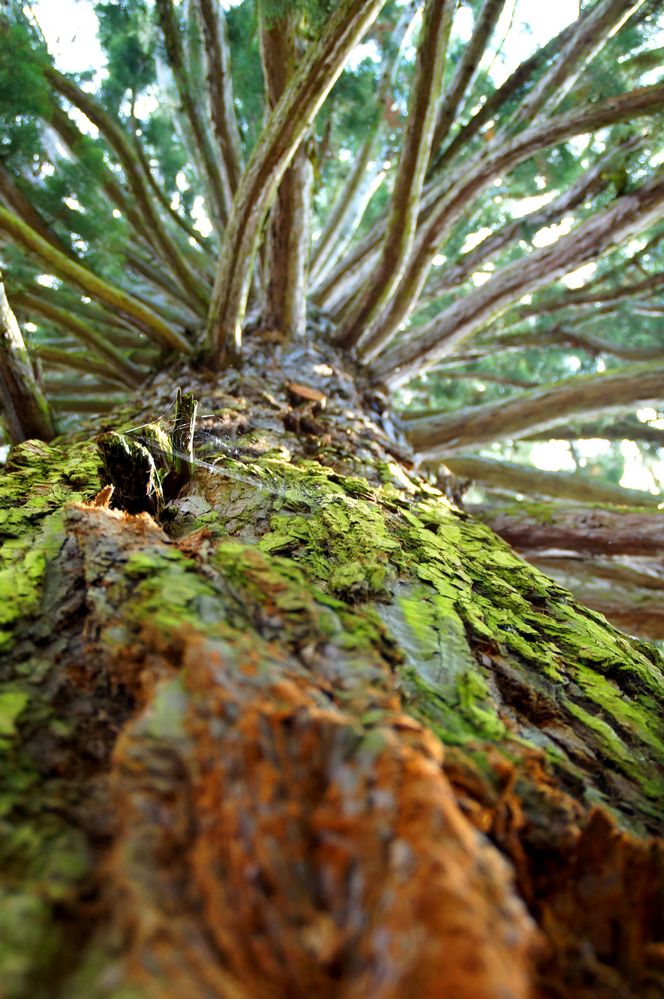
{"points": [[468, 64], [631, 600], [591, 239], [491, 107], [405, 202], [535, 410], [144, 318], [78, 361], [220, 89], [286, 127]]}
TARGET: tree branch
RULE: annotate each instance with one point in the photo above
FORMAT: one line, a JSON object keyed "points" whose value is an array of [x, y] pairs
{"points": [[459, 192], [78, 361], [136, 179], [144, 318], [349, 207], [531, 481], [588, 530], [357, 327], [220, 89], [286, 127], [591, 31], [589, 183], [591, 239], [220, 193], [629, 599], [289, 230], [84, 333], [472, 55], [26, 410], [535, 410]]}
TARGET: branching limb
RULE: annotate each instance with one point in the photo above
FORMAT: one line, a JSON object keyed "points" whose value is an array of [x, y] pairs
{"points": [[405, 202], [536, 410], [472, 55], [561, 335], [594, 237], [289, 230], [220, 89], [283, 132], [24, 405], [479, 172], [618, 430], [492, 106], [221, 196], [139, 315]]}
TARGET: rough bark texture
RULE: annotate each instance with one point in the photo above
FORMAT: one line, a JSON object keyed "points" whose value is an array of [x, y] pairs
{"points": [[593, 531], [314, 731], [23, 403]]}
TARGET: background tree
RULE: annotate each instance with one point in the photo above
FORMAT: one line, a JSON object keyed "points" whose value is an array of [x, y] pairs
{"points": [[239, 634]]}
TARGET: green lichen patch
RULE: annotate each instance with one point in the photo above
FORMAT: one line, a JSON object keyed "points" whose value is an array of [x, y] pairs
{"points": [[279, 598]]}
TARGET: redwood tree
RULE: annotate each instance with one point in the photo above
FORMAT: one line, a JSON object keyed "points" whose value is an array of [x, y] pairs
{"points": [[279, 716]]}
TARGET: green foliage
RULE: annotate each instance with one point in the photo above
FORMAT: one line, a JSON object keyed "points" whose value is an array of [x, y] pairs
{"points": [[24, 96], [125, 33]]}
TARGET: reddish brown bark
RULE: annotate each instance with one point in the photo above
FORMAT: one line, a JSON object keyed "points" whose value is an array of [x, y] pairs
{"points": [[588, 530]]}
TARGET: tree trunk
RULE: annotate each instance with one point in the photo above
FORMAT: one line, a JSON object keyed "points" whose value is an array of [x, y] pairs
{"points": [[304, 728]]}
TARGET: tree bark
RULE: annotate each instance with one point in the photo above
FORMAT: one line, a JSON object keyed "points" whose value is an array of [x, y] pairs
{"points": [[307, 728], [279, 141], [574, 486], [591, 531], [289, 233], [603, 231], [24, 405], [534, 410]]}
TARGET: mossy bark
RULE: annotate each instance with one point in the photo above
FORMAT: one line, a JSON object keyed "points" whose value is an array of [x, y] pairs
{"points": [[313, 730]]}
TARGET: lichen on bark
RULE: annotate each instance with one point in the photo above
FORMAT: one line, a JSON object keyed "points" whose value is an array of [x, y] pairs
{"points": [[314, 728]]}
